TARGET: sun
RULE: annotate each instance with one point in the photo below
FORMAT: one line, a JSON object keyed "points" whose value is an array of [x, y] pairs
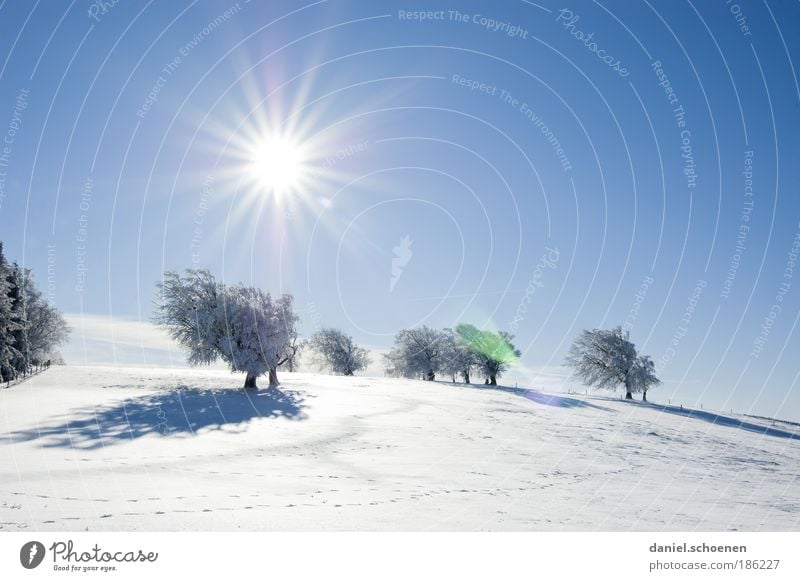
{"points": [[277, 164]]}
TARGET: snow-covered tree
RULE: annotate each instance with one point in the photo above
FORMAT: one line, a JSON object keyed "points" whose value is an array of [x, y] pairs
{"points": [[459, 359], [241, 325], [290, 355], [191, 309], [257, 330], [45, 327], [288, 346], [643, 375], [494, 352], [338, 351], [30, 328], [18, 321], [417, 352], [7, 324], [607, 359]]}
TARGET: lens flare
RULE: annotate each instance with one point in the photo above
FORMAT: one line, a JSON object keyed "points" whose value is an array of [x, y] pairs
{"points": [[492, 345]]}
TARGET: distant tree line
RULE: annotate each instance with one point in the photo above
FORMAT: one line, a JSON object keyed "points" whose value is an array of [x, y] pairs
{"points": [[30, 327], [256, 334], [424, 352]]}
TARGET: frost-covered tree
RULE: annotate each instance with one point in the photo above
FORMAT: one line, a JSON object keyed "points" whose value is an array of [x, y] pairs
{"points": [[191, 309], [8, 352], [30, 328], [417, 352], [257, 332], [450, 366], [243, 326], [459, 359], [289, 357], [607, 359], [643, 375], [18, 321], [494, 352], [338, 351], [45, 327]]}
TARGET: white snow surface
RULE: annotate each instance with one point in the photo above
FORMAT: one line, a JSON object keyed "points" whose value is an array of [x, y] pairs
{"points": [[128, 449]]}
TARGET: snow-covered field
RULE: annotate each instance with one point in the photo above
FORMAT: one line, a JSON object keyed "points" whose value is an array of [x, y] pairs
{"points": [[103, 448]]}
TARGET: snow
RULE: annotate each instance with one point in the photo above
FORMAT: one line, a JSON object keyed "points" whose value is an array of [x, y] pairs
{"points": [[104, 448]]}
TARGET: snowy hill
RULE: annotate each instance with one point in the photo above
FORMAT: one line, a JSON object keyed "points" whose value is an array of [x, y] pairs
{"points": [[157, 449]]}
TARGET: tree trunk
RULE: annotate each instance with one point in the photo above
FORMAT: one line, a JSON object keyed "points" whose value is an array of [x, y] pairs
{"points": [[493, 380], [644, 396], [250, 380], [466, 378], [628, 390], [273, 377]]}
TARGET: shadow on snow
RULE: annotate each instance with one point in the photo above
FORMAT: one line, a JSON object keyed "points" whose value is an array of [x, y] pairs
{"points": [[547, 399], [180, 412], [559, 400], [727, 421]]}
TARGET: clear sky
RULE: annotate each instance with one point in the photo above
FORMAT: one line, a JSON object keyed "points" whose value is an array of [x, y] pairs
{"points": [[533, 167]]}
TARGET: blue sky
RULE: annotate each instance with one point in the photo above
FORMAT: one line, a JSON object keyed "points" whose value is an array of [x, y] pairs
{"points": [[546, 180]]}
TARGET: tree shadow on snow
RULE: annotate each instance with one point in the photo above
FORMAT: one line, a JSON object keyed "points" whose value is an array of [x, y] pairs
{"points": [[724, 421], [559, 401], [547, 399], [181, 412]]}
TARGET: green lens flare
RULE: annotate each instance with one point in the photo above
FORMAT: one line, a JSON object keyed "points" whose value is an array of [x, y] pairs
{"points": [[491, 345]]}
